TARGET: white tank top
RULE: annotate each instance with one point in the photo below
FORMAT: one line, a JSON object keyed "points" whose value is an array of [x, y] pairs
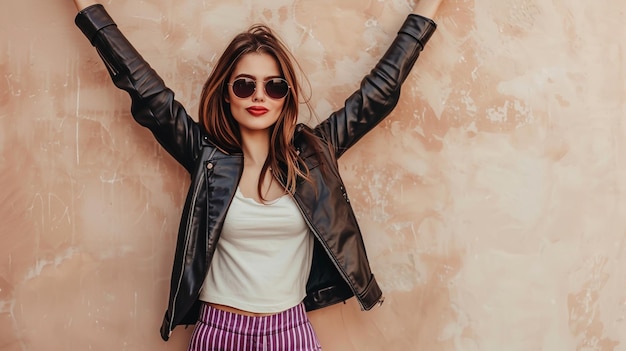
{"points": [[263, 257]]}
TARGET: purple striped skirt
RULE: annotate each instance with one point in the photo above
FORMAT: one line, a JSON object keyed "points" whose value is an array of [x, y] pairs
{"points": [[219, 330]]}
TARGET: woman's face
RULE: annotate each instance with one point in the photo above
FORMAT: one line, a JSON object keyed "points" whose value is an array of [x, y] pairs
{"points": [[257, 112]]}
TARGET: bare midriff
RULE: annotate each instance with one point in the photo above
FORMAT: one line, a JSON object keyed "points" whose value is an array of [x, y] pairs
{"points": [[237, 311]]}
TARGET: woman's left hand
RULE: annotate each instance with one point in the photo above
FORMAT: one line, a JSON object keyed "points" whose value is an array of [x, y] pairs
{"points": [[427, 8], [82, 4]]}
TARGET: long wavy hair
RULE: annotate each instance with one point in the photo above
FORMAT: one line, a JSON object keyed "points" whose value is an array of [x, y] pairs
{"points": [[216, 118]]}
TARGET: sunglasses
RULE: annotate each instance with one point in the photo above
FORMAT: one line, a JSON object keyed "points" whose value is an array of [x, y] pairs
{"points": [[276, 88]]}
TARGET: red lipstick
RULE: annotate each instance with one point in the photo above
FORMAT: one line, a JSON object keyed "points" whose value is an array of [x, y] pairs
{"points": [[257, 110]]}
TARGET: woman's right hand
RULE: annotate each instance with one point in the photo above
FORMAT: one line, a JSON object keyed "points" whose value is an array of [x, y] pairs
{"points": [[81, 4]]}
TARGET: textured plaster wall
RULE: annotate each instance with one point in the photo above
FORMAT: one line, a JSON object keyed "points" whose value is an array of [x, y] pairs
{"points": [[493, 200]]}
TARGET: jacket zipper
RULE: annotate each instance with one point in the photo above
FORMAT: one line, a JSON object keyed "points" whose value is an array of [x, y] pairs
{"points": [[332, 258], [182, 270]]}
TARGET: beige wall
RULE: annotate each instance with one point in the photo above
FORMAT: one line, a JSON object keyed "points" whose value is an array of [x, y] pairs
{"points": [[495, 219]]}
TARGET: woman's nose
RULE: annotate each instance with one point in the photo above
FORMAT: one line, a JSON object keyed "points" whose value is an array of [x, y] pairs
{"points": [[259, 92]]}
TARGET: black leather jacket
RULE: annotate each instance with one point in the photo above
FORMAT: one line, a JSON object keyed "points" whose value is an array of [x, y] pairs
{"points": [[340, 266]]}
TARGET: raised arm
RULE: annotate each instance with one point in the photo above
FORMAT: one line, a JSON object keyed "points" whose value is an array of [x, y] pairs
{"points": [[426, 8], [152, 102], [82, 4], [380, 90]]}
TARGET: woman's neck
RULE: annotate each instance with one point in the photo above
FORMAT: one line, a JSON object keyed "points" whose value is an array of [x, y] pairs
{"points": [[255, 147]]}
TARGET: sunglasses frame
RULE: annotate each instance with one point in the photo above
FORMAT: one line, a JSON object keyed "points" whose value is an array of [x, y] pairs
{"points": [[265, 82]]}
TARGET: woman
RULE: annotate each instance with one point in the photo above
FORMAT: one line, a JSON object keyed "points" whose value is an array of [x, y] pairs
{"points": [[267, 230]]}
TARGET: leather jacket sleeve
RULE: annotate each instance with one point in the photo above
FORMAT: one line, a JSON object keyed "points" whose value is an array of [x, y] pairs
{"points": [[379, 90], [153, 104]]}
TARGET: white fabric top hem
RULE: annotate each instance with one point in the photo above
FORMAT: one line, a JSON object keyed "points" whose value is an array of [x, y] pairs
{"points": [[230, 302]]}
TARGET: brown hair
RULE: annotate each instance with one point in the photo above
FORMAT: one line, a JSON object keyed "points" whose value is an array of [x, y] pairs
{"points": [[216, 119]]}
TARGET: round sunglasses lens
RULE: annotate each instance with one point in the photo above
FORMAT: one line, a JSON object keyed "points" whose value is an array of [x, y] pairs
{"points": [[244, 87], [276, 88]]}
